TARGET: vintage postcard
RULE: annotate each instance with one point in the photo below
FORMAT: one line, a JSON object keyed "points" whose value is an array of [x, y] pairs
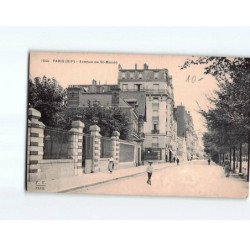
{"points": [[138, 124]]}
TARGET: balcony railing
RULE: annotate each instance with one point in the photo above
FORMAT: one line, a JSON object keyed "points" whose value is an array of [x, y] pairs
{"points": [[155, 131], [150, 91], [157, 91]]}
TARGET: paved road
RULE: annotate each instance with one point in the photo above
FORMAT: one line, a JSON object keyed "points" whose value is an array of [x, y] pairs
{"points": [[194, 178]]}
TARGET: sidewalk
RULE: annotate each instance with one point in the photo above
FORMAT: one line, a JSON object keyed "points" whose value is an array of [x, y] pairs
{"points": [[86, 180]]}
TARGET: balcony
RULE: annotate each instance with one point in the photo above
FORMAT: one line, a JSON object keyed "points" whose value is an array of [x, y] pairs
{"points": [[150, 91], [155, 131], [157, 91]]}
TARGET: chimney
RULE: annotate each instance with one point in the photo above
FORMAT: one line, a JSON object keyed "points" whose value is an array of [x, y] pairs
{"points": [[94, 82], [135, 66], [115, 91], [145, 66]]}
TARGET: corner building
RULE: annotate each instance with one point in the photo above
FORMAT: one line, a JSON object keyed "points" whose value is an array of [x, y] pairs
{"points": [[158, 122]]}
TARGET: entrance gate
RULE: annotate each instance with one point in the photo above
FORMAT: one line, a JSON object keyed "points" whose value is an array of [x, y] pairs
{"points": [[87, 148]]}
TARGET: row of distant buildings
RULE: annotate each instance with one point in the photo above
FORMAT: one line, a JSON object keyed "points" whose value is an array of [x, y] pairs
{"points": [[146, 95]]}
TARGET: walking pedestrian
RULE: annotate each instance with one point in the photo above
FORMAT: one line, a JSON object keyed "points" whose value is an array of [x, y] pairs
{"points": [[111, 165], [208, 161], [174, 159], [149, 172], [227, 167], [177, 160]]}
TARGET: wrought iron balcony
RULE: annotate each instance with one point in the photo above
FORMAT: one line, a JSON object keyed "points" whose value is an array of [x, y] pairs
{"points": [[155, 131], [150, 91]]}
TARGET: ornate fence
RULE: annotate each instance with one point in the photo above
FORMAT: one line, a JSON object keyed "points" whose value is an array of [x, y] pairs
{"points": [[56, 144], [52, 153], [153, 154], [87, 147], [106, 147]]}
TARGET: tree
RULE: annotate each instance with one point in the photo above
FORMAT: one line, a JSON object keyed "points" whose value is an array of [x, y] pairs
{"points": [[47, 96], [229, 116], [109, 119]]}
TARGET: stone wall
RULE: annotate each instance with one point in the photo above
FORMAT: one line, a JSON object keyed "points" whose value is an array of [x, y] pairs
{"points": [[37, 168], [123, 153]]}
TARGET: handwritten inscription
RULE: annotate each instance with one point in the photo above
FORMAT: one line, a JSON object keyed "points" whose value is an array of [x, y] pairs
{"points": [[193, 79]]}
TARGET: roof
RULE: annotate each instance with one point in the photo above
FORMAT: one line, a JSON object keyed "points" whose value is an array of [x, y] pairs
{"points": [[123, 104], [139, 96]]}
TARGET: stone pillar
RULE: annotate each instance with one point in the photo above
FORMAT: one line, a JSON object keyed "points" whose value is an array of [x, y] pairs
{"points": [[96, 147], [75, 145], [115, 147], [35, 135]]}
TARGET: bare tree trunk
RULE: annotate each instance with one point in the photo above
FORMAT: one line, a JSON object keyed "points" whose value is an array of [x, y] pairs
{"points": [[230, 157], [234, 159], [240, 169], [248, 156]]}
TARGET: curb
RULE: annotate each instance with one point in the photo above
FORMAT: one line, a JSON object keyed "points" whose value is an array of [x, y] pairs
{"points": [[107, 181]]}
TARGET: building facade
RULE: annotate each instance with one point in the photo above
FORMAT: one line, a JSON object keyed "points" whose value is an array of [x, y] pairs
{"points": [[187, 138], [146, 96], [107, 95], [159, 99]]}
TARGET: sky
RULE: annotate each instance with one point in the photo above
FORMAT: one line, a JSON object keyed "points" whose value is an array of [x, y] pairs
{"points": [[190, 85]]}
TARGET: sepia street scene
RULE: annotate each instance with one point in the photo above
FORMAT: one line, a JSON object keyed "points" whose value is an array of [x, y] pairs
{"points": [[131, 124]]}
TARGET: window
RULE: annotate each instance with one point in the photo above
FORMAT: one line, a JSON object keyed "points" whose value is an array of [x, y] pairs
{"points": [[124, 86], [156, 75], [155, 106], [140, 76], [155, 119], [131, 75], [123, 75], [138, 87], [155, 127]]}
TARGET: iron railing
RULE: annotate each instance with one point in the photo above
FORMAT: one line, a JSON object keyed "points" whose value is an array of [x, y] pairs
{"points": [[87, 147], [106, 147], [150, 91], [56, 143], [155, 131]]}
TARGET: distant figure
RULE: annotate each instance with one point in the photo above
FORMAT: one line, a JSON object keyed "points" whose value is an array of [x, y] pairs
{"points": [[111, 165], [227, 167], [177, 160], [208, 161], [149, 172], [174, 159]]}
